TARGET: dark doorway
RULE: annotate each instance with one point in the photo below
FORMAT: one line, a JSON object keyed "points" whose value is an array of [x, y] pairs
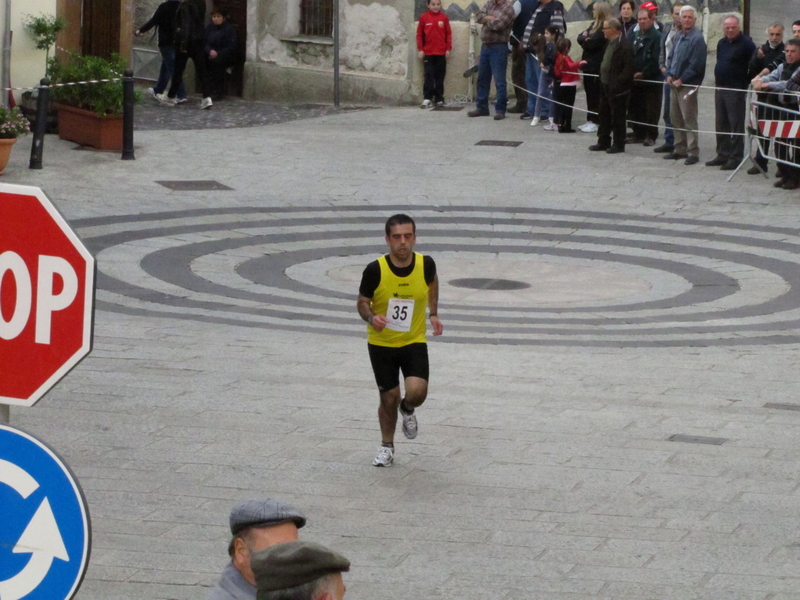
{"points": [[100, 32], [236, 13]]}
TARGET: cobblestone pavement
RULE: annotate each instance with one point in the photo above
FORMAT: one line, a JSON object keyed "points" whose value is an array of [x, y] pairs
{"points": [[621, 301], [149, 114]]}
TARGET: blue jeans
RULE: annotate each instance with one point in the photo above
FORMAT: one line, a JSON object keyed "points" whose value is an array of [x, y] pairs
{"points": [[532, 71], [545, 94], [669, 135], [533, 79], [493, 63], [167, 69]]}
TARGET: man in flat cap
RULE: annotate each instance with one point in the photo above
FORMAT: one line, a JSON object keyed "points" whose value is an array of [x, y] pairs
{"points": [[299, 570], [255, 525]]}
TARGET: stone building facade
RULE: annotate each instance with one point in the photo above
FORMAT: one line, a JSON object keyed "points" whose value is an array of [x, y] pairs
{"points": [[284, 61]]}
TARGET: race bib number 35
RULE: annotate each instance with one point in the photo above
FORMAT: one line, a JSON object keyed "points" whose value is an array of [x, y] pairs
{"points": [[399, 314]]}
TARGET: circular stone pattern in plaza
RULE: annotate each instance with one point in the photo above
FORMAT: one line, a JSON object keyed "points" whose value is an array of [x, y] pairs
{"points": [[478, 283], [507, 275]]}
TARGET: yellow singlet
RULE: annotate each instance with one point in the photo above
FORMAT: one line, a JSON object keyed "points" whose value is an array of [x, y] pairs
{"points": [[404, 301]]}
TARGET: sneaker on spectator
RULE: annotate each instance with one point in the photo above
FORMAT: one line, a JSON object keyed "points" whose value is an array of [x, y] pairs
{"points": [[181, 100], [206, 103], [534, 121], [440, 103], [384, 458], [425, 103], [590, 127], [166, 100], [152, 93], [550, 127]]}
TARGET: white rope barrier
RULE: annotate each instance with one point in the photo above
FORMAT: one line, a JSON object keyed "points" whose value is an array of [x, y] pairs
{"points": [[55, 85]]}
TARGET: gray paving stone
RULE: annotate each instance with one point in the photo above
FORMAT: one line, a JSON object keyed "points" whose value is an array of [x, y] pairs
{"points": [[540, 471]]}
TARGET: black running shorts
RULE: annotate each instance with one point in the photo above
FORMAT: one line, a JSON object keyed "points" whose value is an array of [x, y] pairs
{"points": [[387, 363]]}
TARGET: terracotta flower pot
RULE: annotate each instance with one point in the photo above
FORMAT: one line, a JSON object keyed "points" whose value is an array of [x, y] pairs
{"points": [[5, 151], [88, 129]]}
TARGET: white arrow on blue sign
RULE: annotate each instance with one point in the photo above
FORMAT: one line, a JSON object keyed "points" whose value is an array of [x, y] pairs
{"points": [[45, 533]]}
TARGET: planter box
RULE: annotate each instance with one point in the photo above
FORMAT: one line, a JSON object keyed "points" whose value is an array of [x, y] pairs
{"points": [[87, 129], [27, 105]]}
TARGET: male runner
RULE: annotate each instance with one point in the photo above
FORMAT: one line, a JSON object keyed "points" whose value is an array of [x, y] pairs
{"points": [[394, 292]]}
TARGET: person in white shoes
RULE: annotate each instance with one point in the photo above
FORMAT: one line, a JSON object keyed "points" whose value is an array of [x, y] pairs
{"points": [[189, 43], [395, 293]]}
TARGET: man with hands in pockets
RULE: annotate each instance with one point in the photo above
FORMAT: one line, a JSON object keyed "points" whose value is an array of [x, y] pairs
{"points": [[393, 297]]}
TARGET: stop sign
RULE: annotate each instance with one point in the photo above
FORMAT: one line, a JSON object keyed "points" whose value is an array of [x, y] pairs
{"points": [[46, 296]]}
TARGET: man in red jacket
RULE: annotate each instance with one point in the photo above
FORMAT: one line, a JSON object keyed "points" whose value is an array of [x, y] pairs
{"points": [[434, 42]]}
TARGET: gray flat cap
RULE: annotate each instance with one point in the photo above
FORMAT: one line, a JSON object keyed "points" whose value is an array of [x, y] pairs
{"points": [[263, 513], [290, 564]]}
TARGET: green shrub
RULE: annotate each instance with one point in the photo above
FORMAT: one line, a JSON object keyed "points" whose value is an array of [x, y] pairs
{"points": [[45, 29], [101, 98]]}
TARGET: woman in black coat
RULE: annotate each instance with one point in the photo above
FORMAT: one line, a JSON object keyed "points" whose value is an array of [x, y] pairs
{"points": [[593, 43], [220, 52]]}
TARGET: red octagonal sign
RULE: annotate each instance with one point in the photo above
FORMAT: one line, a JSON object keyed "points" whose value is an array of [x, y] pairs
{"points": [[46, 296]]}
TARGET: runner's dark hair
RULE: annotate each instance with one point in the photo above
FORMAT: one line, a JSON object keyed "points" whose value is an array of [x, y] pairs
{"points": [[400, 219]]}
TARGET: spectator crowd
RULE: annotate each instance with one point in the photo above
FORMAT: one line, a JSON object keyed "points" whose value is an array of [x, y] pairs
{"points": [[638, 71]]}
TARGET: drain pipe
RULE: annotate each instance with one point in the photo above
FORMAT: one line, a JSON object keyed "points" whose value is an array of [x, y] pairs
{"points": [[5, 68]]}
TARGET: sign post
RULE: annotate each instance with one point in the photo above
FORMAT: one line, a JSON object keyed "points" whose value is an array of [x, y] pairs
{"points": [[47, 279], [45, 533]]}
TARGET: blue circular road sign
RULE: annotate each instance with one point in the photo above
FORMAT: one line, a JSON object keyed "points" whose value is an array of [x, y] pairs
{"points": [[45, 534]]}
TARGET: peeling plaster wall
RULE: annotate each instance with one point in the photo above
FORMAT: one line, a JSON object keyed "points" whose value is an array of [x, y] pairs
{"points": [[375, 40]]}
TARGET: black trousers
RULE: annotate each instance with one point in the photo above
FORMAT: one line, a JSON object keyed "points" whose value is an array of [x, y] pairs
{"points": [[216, 74], [592, 86], [435, 70], [562, 115], [730, 109], [612, 112], [763, 113], [645, 107], [195, 51], [518, 59]]}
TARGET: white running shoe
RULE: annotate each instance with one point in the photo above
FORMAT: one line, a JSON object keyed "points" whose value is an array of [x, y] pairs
{"points": [[590, 127], [384, 458], [426, 104], [584, 126], [410, 427], [152, 93], [166, 100], [181, 100], [206, 103], [550, 127], [534, 121]]}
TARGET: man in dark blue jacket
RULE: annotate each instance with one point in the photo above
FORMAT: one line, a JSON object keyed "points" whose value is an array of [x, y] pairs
{"points": [[645, 103], [164, 20], [190, 43], [685, 71], [734, 51]]}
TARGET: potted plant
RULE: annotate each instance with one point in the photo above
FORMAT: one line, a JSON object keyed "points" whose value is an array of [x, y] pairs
{"points": [[44, 29], [89, 114], [13, 124]]}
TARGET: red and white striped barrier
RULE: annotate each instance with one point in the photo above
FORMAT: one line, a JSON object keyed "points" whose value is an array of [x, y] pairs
{"points": [[779, 129]]}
